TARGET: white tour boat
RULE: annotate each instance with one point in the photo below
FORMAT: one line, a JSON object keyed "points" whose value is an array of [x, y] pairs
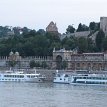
{"points": [[61, 78], [16, 76], [92, 79], [75, 78]]}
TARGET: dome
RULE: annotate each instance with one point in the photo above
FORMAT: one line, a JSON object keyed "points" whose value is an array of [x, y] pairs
{"points": [[11, 53], [17, 53]]}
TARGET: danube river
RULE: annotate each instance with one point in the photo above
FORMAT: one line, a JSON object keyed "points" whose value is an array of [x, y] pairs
{"points": [[51, 95]]}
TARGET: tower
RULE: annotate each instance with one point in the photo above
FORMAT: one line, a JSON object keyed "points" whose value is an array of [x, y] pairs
{"points": [[52, 28], [103, 24]]}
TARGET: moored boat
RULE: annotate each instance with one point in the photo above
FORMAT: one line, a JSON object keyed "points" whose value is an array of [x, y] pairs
{"points": [[15, 76], [91, 79], [61, 78], [81, 78]]}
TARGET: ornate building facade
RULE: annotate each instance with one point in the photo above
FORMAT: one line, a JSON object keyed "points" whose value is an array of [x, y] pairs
{"points": [[74, 61], [84, 61]]}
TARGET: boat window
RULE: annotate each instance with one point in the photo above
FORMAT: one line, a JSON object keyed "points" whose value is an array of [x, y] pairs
{"points": [[28, 76], [5, 75], [32, 76], [15, 76], [21, 76], [88, 77], [84, 77], [18, 76], [79, 77], [60, 78], [80, 81], [66, 75], [58, 75]]}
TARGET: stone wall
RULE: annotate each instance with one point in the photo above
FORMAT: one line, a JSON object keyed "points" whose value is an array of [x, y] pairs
{"points": [[103, 24], [76, 34]]}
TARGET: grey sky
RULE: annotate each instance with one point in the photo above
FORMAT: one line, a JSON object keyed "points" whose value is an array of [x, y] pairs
{"points": [[37, 14]]}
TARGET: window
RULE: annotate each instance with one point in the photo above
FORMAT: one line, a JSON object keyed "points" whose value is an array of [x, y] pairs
{"points": [[28, 76], [21, 76], [66, 75], [78, 64]]}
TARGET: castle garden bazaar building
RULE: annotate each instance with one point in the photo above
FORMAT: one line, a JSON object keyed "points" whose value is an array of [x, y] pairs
{"points": [[74, 61], [84, 61]]}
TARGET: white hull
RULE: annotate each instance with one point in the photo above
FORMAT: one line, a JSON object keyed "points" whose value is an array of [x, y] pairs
{"points": [[87, 79], [60, 82], [21, 77], [61, 78]]}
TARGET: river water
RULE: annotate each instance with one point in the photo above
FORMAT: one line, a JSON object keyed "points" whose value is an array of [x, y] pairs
{"points": [[51, 95]]}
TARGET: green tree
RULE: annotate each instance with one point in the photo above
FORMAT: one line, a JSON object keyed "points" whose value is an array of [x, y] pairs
{"points": [[99, 40], [32, 64], [37, 64], [82, 44], [91, 45], [104, 44], [70, 29], [12, 63], [64, 65], [25, 30], [92, 26], [41, 32], [82, 28], [69, 43], [44, 64]]}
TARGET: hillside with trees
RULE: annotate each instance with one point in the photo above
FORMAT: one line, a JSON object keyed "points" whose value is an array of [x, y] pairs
{"points": [[40, 43]]}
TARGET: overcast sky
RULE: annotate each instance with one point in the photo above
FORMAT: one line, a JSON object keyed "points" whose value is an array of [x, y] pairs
{"points": [[37, 14]]}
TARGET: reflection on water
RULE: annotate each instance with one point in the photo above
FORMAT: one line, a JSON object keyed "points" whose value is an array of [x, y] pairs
{"points": [[51, 95]]}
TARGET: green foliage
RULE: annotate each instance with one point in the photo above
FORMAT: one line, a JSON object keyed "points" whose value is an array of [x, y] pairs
{"points": [[4, 31], [82, 28], [70, 29], [69, 43], [99, 40], [12, 63], [44, 64], [41, 43], [94, 26], [38, 64], [104, 44], [64, 65], [91, 46], [82, 44], [32, 64]]}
